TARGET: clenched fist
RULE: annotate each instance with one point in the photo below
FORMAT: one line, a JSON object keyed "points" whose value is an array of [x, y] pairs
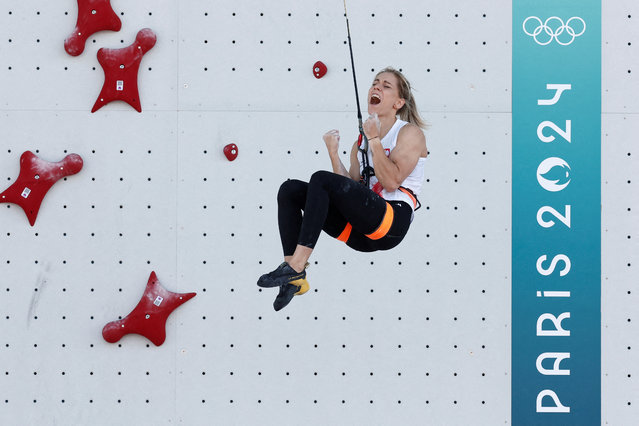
{"points": [[331, 139]]}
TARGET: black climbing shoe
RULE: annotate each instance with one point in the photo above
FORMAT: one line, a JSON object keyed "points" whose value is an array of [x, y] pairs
{"points": [[288, 291], [280, 276]]}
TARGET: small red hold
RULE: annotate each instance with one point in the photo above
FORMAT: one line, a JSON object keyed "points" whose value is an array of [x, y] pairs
{"points": [[231, 151], [121, 71], [149, 317], [93, 16], [319, 69], [35, 179]]}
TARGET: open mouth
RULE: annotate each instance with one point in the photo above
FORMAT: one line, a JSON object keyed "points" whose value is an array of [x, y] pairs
{"points": [[375, 99]]}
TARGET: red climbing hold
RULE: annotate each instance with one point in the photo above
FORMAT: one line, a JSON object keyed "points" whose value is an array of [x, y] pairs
{"points": [[319, 69], [230, 151], [35, 178], [93, 16], [121, 71], [148, 319]]}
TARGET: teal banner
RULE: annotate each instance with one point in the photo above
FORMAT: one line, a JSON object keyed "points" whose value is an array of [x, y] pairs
{"points": [[556, 212]]}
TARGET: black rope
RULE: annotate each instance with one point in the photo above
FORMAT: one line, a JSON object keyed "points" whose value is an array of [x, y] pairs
{"points": [[362, 141]]}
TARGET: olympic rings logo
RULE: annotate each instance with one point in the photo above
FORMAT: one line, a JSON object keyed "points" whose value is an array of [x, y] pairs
{"points": [[554, 29]]}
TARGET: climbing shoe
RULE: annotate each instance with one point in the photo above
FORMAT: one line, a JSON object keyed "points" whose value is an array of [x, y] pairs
{"points": [[280, 276], [288, 291]]}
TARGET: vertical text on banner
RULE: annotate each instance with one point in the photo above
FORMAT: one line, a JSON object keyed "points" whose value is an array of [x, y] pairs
{"points": [[556, 196]]}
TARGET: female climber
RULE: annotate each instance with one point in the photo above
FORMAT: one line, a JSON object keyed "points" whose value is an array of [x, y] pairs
{"points": [[366, 218]]}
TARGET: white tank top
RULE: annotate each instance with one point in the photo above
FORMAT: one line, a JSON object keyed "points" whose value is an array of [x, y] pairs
{"points": [[413, 181]]}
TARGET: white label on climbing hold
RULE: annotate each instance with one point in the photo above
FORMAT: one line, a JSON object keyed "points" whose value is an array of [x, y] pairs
{"points": [[119, 85], [158, 301], [26, 192]]}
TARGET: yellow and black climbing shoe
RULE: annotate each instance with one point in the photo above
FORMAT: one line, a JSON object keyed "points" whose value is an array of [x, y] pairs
{"points": [[302, 284], [288, 291], [280, 276]]}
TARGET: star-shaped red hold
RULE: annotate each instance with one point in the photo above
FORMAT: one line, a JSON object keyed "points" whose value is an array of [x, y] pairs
{"points": [[121, 71], [93, 16], [149, 316], [35, 179]]}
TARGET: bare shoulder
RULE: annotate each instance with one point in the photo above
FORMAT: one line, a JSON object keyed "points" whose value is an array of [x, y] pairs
{"points": [[411, 131], [413, 136]]}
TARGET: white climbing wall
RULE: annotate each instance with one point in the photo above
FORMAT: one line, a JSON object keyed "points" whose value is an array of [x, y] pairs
{"points": [[417, 335], [620, 213]]}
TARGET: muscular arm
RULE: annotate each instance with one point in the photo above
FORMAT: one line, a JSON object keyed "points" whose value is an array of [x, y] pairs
{"points": [[331, 138], [391, 171], [354, 170], [336, 163]]}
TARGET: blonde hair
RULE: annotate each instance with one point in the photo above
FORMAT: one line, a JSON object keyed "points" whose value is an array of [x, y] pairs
{"points": [[409, 111]]}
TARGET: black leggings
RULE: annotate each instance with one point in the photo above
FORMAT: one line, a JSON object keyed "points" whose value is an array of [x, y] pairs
{"points": [[330, 202]]}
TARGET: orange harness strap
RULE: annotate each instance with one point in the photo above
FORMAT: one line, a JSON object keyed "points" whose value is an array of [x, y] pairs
{"points": [[345, 233], [410, 194], [384, 227], [380, 232]]}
